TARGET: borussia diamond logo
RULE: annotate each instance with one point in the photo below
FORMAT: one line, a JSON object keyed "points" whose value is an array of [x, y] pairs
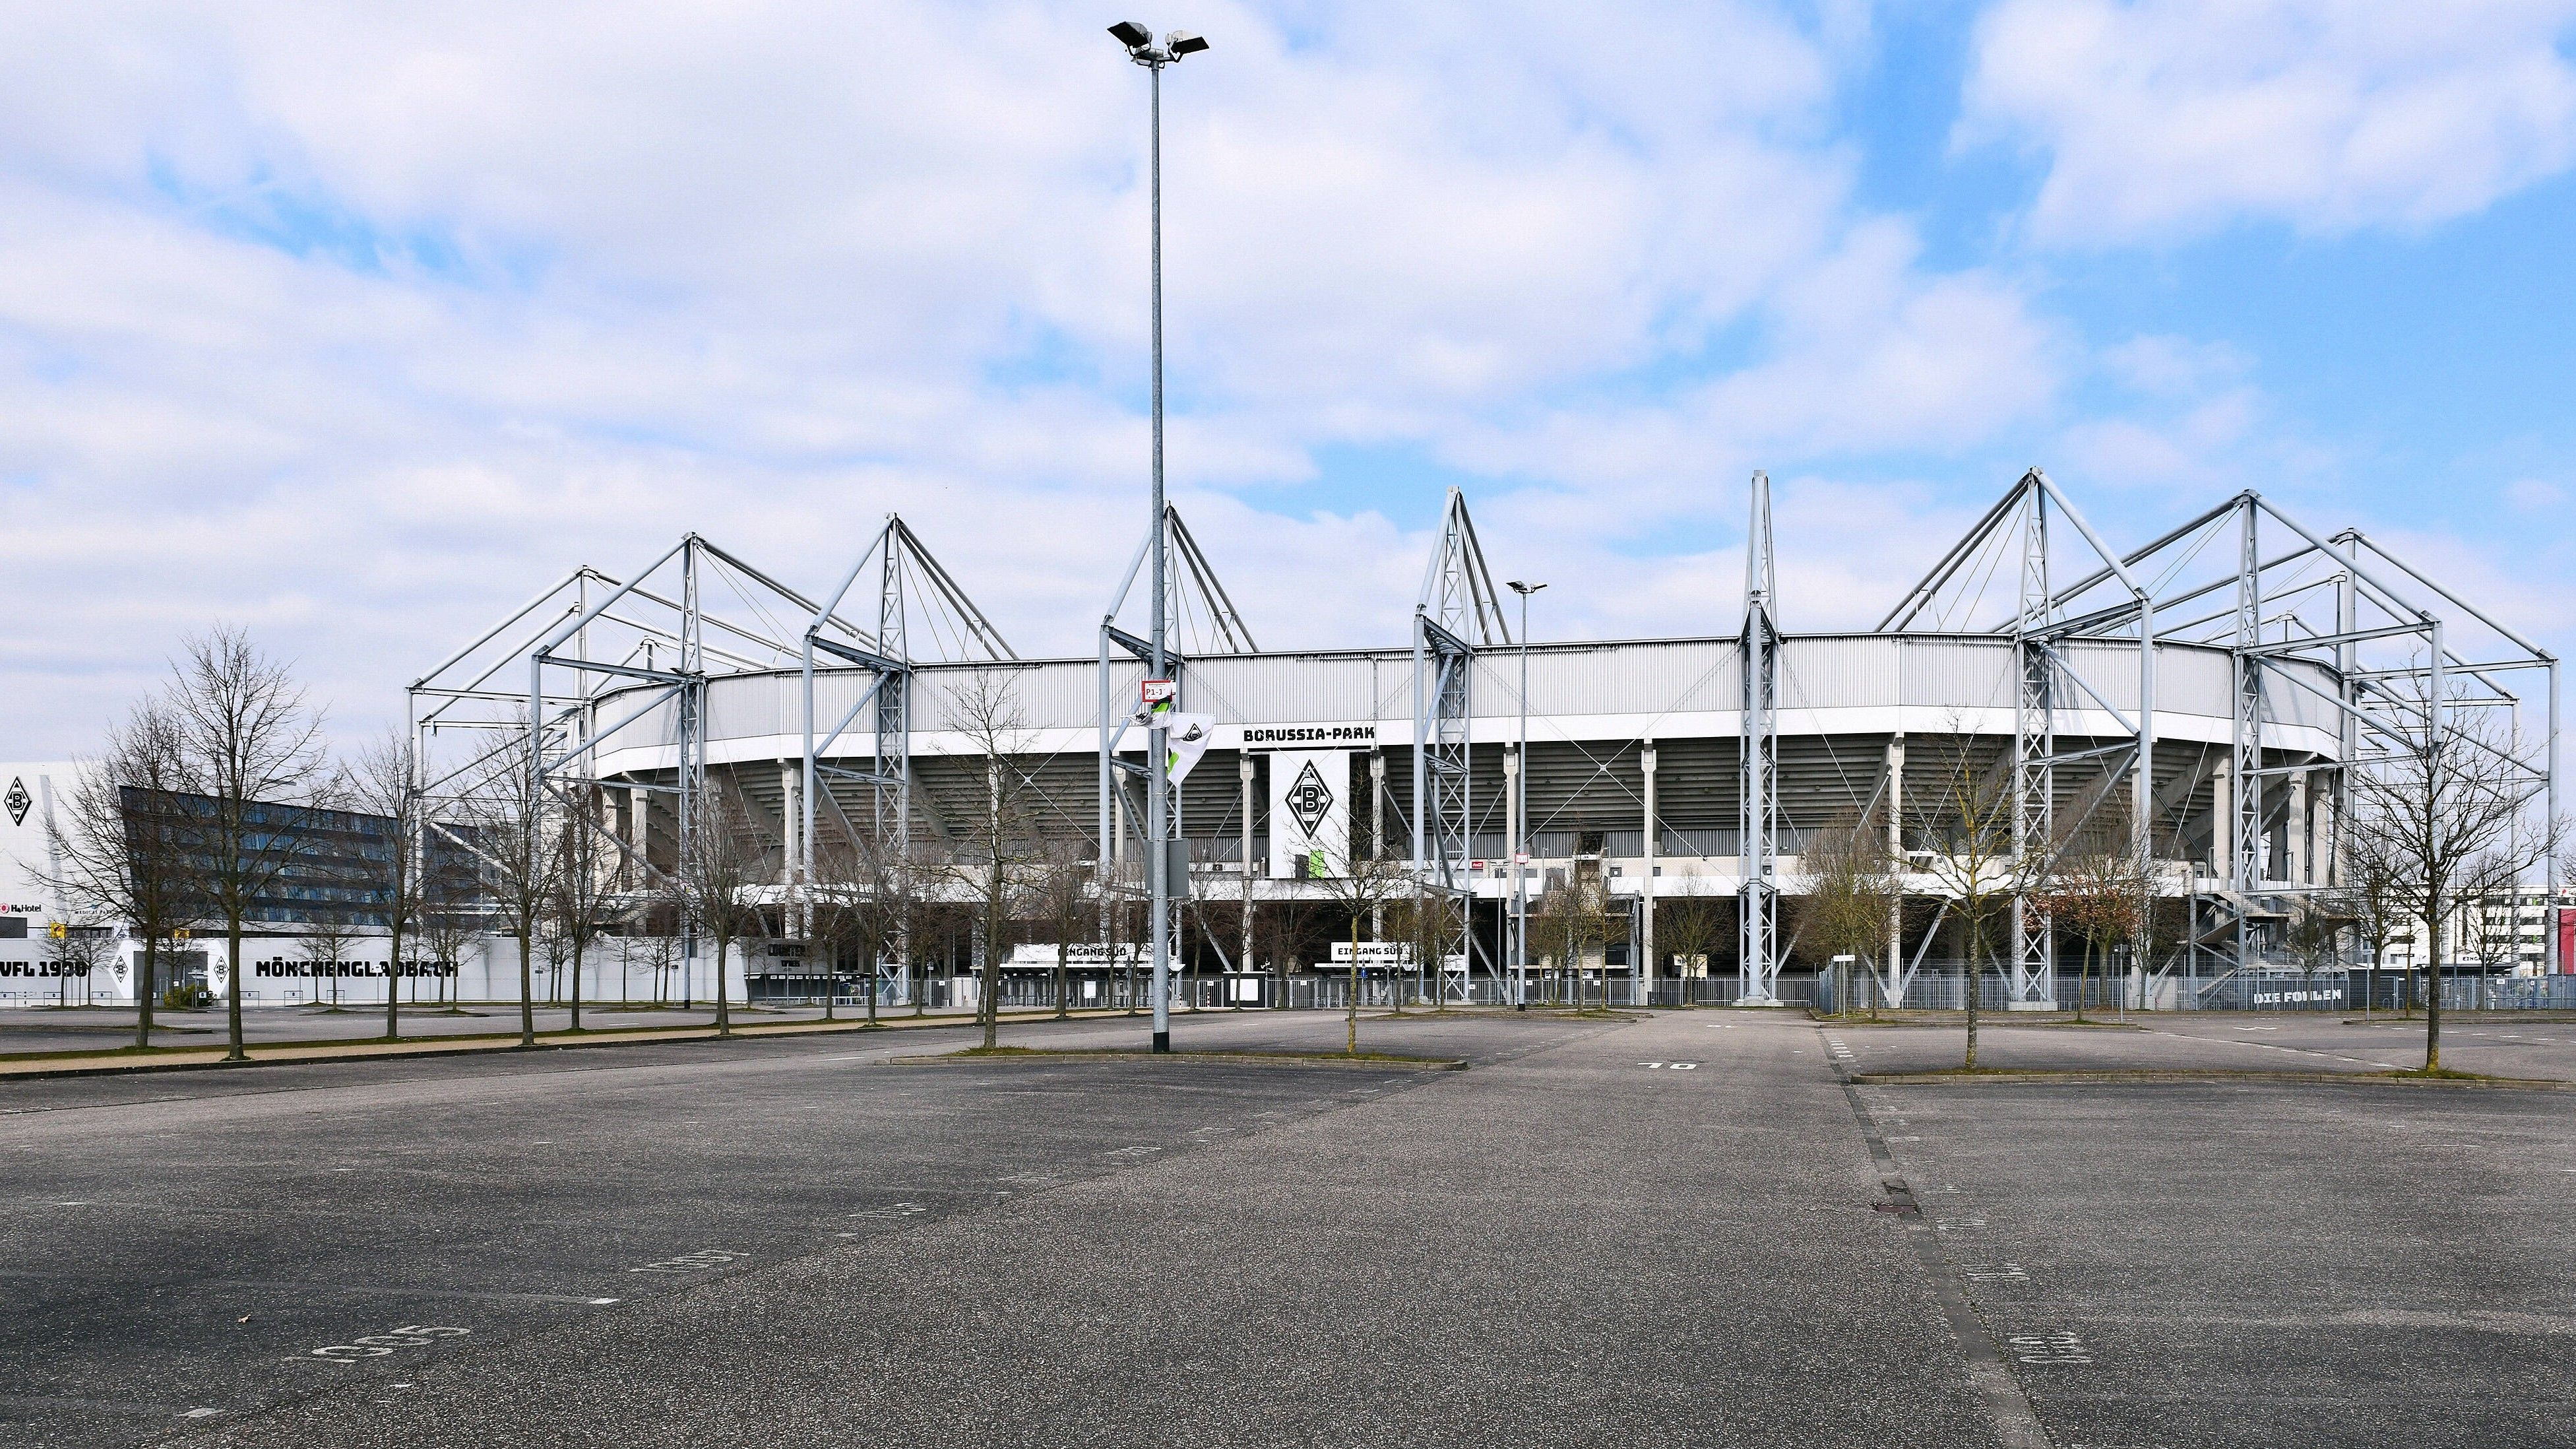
{"points": [[1309, 800], [17, 800]]}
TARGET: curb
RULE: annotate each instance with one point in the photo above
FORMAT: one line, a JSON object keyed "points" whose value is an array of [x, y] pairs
{"points": [[2178, 1077], [1273, 1059], [485, 1046]]}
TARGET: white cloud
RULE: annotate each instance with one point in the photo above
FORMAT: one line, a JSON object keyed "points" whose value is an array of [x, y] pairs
{"points": [[2162, 118], [358, 325]]}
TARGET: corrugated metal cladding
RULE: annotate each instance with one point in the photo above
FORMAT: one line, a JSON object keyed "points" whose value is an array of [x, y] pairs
{"points": [[1661, 677], [1648, 678], [1295, 688], [1956, 673], [1045, 695]]}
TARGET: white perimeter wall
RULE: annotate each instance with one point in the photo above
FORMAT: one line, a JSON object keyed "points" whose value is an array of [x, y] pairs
{"points": [[281, 976]]}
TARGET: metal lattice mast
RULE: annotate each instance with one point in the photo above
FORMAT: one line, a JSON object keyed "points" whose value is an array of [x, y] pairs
{"points": [[690, 736], [1758, 828], [1455, 614], [2034, 761], [891, 748], [2245, 761]]}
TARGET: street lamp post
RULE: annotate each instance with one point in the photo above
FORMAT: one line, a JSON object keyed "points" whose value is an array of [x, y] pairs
{"points": [[1520, 813], [1144, 51]]}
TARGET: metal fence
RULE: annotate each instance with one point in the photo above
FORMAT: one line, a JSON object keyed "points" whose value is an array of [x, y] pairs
{"points": [[1934, 988]]}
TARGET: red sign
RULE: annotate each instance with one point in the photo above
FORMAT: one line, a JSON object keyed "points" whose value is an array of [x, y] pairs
{"points": [[1158, 691], [2567, 940]]}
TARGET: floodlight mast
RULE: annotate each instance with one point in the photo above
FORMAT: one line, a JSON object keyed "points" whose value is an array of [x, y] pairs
{"points": [[1143, 51], [1520, 814]]}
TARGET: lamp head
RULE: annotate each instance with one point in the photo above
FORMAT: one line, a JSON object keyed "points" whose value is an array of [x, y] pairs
{"points": [[1131, 35], [1181, 43]]}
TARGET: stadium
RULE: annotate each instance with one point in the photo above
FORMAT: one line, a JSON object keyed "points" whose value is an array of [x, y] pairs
{"points": [[2198, 698]]}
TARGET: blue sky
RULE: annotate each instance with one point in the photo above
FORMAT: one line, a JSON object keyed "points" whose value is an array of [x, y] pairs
{"points": [[358, 327]]}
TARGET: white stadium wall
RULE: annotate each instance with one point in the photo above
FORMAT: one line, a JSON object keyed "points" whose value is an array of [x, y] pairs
{"points": [[282, 974]]}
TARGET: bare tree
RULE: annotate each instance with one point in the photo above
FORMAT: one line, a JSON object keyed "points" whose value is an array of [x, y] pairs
{"points": [[1286, 929], [2096, 891], [1427, 926], [384, 782], [1692, 921], [584, 880], [724, 879], [2446, 809], [999, 852], [1848, 887], [1060, 900], [659, 920], [252, 750], [76, 946], [1363, 886], [836, 915], [324, 945], [118, 844], [505, 825], [448, 922], [1964, 818]]}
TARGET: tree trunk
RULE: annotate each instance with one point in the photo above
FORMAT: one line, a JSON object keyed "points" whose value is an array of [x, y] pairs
{"points": [[876, 973], [527, 987], [990, 989], [143, 1000], [576, 981], [1351, 1023], [1063, 1007], [393, 983], [1974, 953], [2432, 998], [724, 1005], [2084, 982], [233, 996]]}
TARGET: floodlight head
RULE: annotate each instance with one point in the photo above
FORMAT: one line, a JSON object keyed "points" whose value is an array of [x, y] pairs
{"points": [[1131, 35], [1522, 589], [1181, 43]]}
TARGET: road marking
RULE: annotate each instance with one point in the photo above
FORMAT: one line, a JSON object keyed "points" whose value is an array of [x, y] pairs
{"points": [[1130, 1151], [1675, 1066], [2005, 1273], [209, 1413], [2059, 1347], [378, 1345], [892, 1210], [699, 1261]]}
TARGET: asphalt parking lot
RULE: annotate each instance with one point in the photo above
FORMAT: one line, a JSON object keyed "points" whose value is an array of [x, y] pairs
{"points": [[1679, 1230], [2498, 1044]]}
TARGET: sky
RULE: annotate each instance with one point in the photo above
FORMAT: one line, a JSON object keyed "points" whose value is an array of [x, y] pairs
{"points": [[355, 325]]}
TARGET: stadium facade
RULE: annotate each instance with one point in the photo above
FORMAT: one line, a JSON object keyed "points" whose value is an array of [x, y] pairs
{"points": [[2201, 697]]}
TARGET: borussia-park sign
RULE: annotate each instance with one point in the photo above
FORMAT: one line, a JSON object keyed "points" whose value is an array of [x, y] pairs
{"points": [[1358, 735]]}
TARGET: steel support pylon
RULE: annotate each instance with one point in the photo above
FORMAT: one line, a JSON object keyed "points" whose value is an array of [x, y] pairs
{"points": [[2032, 975], [1455, 615], [1758, 789]]}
